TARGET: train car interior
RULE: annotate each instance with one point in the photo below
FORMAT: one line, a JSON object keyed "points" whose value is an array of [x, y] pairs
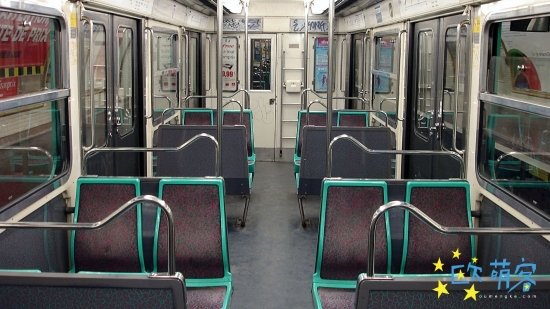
{"points": [[330, 154]]}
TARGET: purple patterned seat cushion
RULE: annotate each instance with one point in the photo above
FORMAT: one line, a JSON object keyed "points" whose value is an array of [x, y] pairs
{"points": [[112, 248], [198, 118], [196, 211], [337, 298], [205, 298], [348, 215], [447, 206], [352, 120]]}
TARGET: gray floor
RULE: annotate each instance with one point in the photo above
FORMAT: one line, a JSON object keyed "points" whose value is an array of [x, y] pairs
{"points": [[272, 259]]}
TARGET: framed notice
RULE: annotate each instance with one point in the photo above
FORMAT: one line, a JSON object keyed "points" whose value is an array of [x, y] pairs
{"points": [[321, 64], [230, 52]]}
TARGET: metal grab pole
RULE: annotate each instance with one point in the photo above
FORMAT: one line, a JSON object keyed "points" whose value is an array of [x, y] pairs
{"points": [[330, 75], [246, 86], [307, 5], [219, 90], [99, 224]]}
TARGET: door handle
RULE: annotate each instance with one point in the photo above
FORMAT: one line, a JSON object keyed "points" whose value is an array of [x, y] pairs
{"points": [[271, 101]]}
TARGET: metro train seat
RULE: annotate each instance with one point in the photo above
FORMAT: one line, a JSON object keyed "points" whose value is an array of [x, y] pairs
{"points": [[197, 116], [448, 203], [346, 210], [232, 117], [201, 238], [234, 158], [116, 247], [417, 292], [62, 290], [350, 118], [315, 118]]}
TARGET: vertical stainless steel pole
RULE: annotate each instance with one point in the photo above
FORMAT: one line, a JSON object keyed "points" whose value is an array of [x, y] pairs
{"points": [[329, 75], [246, 86], [307, 5], [219, 89]]}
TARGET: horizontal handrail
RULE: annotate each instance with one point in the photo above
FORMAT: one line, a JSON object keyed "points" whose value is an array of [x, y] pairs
{"points": [[440, 228], [155, 149], [406, 152], [31, 149], [99, 224]]}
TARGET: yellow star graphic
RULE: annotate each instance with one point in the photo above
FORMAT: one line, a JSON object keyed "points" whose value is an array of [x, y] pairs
{"points": [[460, 275], [438, 265], [456, 254], [474, 260], [471, 293], [441, 289]]}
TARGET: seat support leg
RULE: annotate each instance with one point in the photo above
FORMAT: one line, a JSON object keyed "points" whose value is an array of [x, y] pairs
{"points": [[245, 211], [301, 207]]}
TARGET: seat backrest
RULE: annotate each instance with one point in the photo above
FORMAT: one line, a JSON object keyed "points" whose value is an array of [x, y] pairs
{"points": [[446, 202], [313, 161], [315, 118], [62, 290], [346, 211], [198, 160], [198, 116], [418, 292], [117, 246], [233, 117], [201, 232], [235, 160], [352, 119], [348, 160]]}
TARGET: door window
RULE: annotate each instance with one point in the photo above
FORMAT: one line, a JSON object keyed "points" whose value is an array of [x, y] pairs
{"points": [[124, 104], [260, 64]]}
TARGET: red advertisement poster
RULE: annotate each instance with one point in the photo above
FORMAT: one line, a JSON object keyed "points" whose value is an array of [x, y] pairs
{"points": [[24, 46]]}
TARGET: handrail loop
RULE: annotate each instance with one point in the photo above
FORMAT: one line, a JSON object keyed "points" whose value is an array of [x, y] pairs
{"points": [[155, 149], [304, 92], [440, 228], [373, 151], [240, 107], [246, 97], [457, 81], [99, 224], [309, 105], [512, 153], [90, 22]]}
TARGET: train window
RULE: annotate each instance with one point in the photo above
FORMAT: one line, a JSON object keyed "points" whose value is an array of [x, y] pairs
{"points": [[384, 75], [33, 148], [26, 63], [425, 85], [124, 104], [520, 64], [514, 153], [165, 72], [260, 64]]}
